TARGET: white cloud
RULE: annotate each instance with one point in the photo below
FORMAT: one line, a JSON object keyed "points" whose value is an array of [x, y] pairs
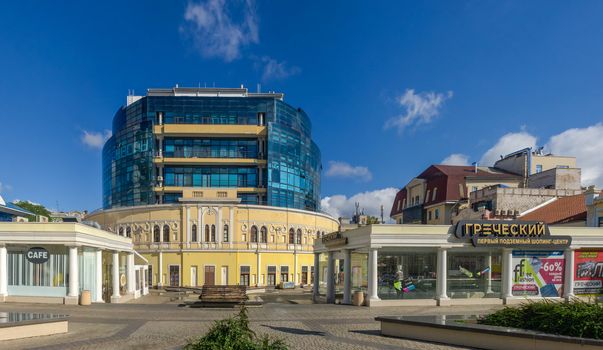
{"points": [[371, 201], [456, 159], [586, 144], [214, 31], [420, 108], [95, 139], [343, 169], [508, 143], [275, 70], [5, 187]]}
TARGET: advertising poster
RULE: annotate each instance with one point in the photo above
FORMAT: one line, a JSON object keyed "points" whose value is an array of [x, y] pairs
{"points": [[588, 272], [538, 273]]}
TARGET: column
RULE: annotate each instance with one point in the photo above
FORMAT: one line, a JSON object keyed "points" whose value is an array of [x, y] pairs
{"points": [[489, 274], [259, 269], [160, 270], [199, 225], [130, 274], [373, 275], [507, 270], [115, 276], [3, 272], [295, 279], [98, 297], [569, 274], [330, 279], [188, 226], [145, 283], [347, 277], [315, 287], [442, 273], [231, 227], [219, 226], [74, 284]]}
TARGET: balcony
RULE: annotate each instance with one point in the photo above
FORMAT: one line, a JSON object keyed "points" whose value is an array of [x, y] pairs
{"points": [[413, 215]]}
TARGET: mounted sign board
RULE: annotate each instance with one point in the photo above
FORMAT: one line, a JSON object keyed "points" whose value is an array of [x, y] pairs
{"points": [[510, 234], [37, 255]]}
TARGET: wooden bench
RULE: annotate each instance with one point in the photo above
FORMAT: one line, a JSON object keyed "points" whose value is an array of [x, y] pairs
{"points": [[223, 295]]}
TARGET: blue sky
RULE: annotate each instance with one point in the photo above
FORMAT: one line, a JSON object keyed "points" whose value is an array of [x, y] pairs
{"points": [[391, 87]]}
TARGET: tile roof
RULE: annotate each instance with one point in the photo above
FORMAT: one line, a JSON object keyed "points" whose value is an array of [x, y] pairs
{"points": [[562, 210]]}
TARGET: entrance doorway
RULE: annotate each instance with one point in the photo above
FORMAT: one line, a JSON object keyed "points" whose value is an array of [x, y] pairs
{"points": [[224, 275], [193, 276], [174, 275], [210, 275]]}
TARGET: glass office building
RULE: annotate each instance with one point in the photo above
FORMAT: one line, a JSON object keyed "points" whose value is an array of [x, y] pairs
{"points": [[206, 137]]}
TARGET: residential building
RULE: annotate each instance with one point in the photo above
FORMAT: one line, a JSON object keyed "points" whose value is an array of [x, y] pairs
{"points": [[433, 195], [594, 205], [215, 186], [10, 212]]}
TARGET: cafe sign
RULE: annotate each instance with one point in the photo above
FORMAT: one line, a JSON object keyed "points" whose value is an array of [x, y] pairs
{"points": [[334, 239], [510, 234], [37, 255]]}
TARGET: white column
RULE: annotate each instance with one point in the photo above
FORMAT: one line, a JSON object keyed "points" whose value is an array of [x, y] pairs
{"points": [[347, 277], [259, 269], [3, 272], [99, 276], [231, 227], [295, 279], [202, 228], [442, 273], [489, 274], [330, 279], [315, 287], [115, 276], [188, 226], [74, 284], [569, 274], [145, 282], [199, 225], [160, 270], [219, 225], [373, 275], [507, 270], [130, 274]]}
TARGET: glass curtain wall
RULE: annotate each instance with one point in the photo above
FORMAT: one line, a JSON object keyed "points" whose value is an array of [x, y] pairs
{"points": [[474, 275], [210, 177], [210, 148], [407, 275]]}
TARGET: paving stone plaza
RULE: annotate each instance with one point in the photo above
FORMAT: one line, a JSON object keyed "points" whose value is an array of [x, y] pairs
{"points": [[161, 322]]}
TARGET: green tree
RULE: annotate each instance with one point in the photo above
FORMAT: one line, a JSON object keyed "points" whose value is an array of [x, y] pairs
{"points": [[373, 220], [37, 209]]}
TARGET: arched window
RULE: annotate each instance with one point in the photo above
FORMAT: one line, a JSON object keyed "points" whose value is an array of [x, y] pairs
{"points": [[254, 234], [121, 231], [225, 233], [292, 236], [156, 234], [128, 232], [213, 233], [317, 234], [166, 233], [298, 239], [206, 233], [264, 234], [194, 233]]}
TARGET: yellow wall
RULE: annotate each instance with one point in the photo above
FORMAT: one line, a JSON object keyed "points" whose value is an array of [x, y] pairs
{"points": [[441, 220]]}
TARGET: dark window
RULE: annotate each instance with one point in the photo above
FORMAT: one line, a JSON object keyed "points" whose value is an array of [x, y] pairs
{"points": [[291, 236], [213, 233], [166, 233], [206, 233], [271, 276], [121, 231], [264, 235], [194, 233], [254, 234], [245, 271], [298, 237], [128, 232], [225, 233], [284, 273], [156, 234]]}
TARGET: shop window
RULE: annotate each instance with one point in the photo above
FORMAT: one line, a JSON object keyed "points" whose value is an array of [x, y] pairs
{"points": [[226, 238], [264, 234], [473, 275], [194, 233], [166, 233], [403, 275], [245, 272], [291, 236], [156, 234], [539, 273], [304, 275], [254, 234]]}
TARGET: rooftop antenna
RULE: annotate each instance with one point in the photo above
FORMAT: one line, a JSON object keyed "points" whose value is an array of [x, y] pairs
{"points": [[357, 209], [382, 221]]}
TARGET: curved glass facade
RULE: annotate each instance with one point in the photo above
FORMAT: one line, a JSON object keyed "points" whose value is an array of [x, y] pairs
{"points": [[289, 176]]}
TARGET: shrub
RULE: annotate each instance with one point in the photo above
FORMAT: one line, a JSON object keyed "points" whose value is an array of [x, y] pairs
{"points": [[575, 318], [234, 334]]}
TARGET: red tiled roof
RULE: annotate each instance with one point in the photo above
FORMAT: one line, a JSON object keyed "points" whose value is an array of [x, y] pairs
{"points": [[448, 180], [562, 210]]}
